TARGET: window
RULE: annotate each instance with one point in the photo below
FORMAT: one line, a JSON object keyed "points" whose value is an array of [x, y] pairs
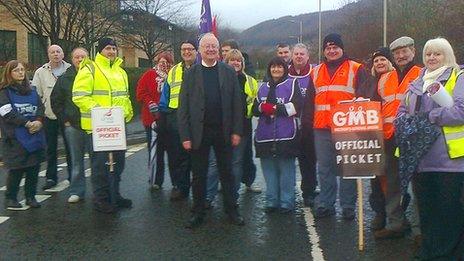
{"points": [[37, 53], [7, 46]]}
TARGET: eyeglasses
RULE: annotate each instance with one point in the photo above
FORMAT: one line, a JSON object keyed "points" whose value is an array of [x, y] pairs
{"points": [[17, 70], [210, 46]]}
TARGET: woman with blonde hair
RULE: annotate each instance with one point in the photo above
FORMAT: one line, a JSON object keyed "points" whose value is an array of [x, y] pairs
{"points": [[440, 174], [21, 115]]}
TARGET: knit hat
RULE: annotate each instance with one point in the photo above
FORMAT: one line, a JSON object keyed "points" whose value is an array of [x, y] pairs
{"points": [[382, 51], [104, 42], [401, 42], [192, 42], [333, 39]]}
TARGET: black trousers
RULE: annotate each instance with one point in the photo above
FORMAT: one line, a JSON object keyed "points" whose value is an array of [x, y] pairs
{"points": [[14, 179], [52, 129], [160, 149], [307, 164], [212, 137], [178, 157], [441, 214], [249, 167]]}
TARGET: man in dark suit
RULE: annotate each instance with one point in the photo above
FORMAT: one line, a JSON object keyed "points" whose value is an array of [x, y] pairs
{"points": [[210, 115]]}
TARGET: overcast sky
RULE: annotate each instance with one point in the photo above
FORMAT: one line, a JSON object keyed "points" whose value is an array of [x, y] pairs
{"points": [[242, 14]]}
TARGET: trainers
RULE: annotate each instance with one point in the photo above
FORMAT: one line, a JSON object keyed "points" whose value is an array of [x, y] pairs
{"points": [[254, 189], [123, 202], [50, 183], [12, 204], [378, 222], [73, 199], [32, 202], [104, 207], [348, 214], [322, 212]]}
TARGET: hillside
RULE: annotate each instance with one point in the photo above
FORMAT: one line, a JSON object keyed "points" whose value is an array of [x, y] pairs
{"points": [[361, 25]]}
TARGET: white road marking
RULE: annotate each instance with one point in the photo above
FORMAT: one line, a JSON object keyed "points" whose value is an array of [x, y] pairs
{"points": [[3, 219], [88, 173], [60, 187], [64, 164], [44, 172], [39, 198], [316, 251]]}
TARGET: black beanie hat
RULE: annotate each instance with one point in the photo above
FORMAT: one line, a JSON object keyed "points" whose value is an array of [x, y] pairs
{"points": [[382, 51], [104, 42], [333, 39], [192, 42]]}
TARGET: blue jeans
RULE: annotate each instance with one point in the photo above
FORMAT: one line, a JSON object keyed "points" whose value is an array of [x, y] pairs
{"points": [[328, 172], [79, 143], [212, 178], [279, 174]]}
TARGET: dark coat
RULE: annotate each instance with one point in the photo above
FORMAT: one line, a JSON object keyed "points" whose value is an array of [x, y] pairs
{"points": [[61, 99], [15, 155], [191, 111]]}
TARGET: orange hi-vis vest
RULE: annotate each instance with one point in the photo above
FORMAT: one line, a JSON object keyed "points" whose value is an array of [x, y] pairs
{"points": [[392, 94], [331, 90]]}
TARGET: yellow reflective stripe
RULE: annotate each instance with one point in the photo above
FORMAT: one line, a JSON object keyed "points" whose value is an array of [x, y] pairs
{"points": [[86, 115], [454, 136], [322, 107], [174, 95], [118, 93], [100, 92], [316, 71], [382, 81], [175, 84], [351, 76], [389, 120], [400, 97], [339, 88], [173, 72], [81, 93]]}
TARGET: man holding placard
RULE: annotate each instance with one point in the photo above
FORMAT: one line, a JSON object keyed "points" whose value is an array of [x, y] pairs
{"points": [[102, 85]]}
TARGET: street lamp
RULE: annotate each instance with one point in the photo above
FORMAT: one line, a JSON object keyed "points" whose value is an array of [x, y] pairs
{"points": [[320, 31], [300, 39]]}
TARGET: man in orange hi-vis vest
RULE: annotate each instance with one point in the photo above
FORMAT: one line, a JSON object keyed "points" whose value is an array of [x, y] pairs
{"points": [[391, 88], [337, 78]]}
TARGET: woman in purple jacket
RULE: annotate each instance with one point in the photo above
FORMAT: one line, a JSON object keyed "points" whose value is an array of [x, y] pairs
{"points": [[439, 179], [276, 141]]}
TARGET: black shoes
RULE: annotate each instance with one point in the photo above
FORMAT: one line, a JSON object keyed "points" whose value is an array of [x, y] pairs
{"points": [[194, 222], [12, 204], [236, 219], [50, 183], [104, 207], [322, 212], [32, 202], [123, 202]]}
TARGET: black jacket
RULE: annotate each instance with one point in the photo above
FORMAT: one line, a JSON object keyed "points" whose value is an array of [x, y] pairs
{"points": [[15, 156], [191, 111], [61, 99]]}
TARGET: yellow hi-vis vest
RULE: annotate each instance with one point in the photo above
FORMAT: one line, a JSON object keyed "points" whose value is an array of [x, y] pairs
{"points": [[100, 84], [251, 91], [454, 135], [175, 80]]}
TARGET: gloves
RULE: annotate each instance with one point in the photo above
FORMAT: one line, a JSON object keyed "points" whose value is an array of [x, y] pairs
{"points": [[153, 107], [267, 109]]}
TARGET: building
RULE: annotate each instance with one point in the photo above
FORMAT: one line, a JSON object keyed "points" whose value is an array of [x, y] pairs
{"points": [[16, 42]]}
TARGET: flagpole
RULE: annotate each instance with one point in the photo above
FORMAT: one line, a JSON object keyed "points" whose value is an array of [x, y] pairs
{"points": [[320, 31]]}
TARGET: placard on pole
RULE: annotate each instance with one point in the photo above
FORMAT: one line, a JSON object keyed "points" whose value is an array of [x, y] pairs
{"points": [[357, 132]]}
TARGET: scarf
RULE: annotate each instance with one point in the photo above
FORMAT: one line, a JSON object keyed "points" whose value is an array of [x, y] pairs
{"points": [[161, 77], [432, 76]]}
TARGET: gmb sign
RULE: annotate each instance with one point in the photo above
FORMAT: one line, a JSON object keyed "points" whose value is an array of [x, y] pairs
{"points": [[108, 129], [358, 138]]}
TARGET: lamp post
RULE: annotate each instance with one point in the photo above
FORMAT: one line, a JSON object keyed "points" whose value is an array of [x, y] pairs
{"points": [[384, 22], [320, 31]]}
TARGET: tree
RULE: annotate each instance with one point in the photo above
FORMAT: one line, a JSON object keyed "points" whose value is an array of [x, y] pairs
{"points": [[153, 26], [66, 22]]}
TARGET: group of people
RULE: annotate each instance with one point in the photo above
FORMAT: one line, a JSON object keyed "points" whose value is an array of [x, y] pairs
{"points": [[201, 113]]}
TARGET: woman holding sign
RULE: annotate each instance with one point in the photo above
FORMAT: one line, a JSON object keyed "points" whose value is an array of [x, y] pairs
{"points": [[277, 106], [440, 173], [23, 139]]}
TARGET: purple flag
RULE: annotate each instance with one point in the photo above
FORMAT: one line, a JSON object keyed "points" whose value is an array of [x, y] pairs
{"points": [[206, 20]]}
